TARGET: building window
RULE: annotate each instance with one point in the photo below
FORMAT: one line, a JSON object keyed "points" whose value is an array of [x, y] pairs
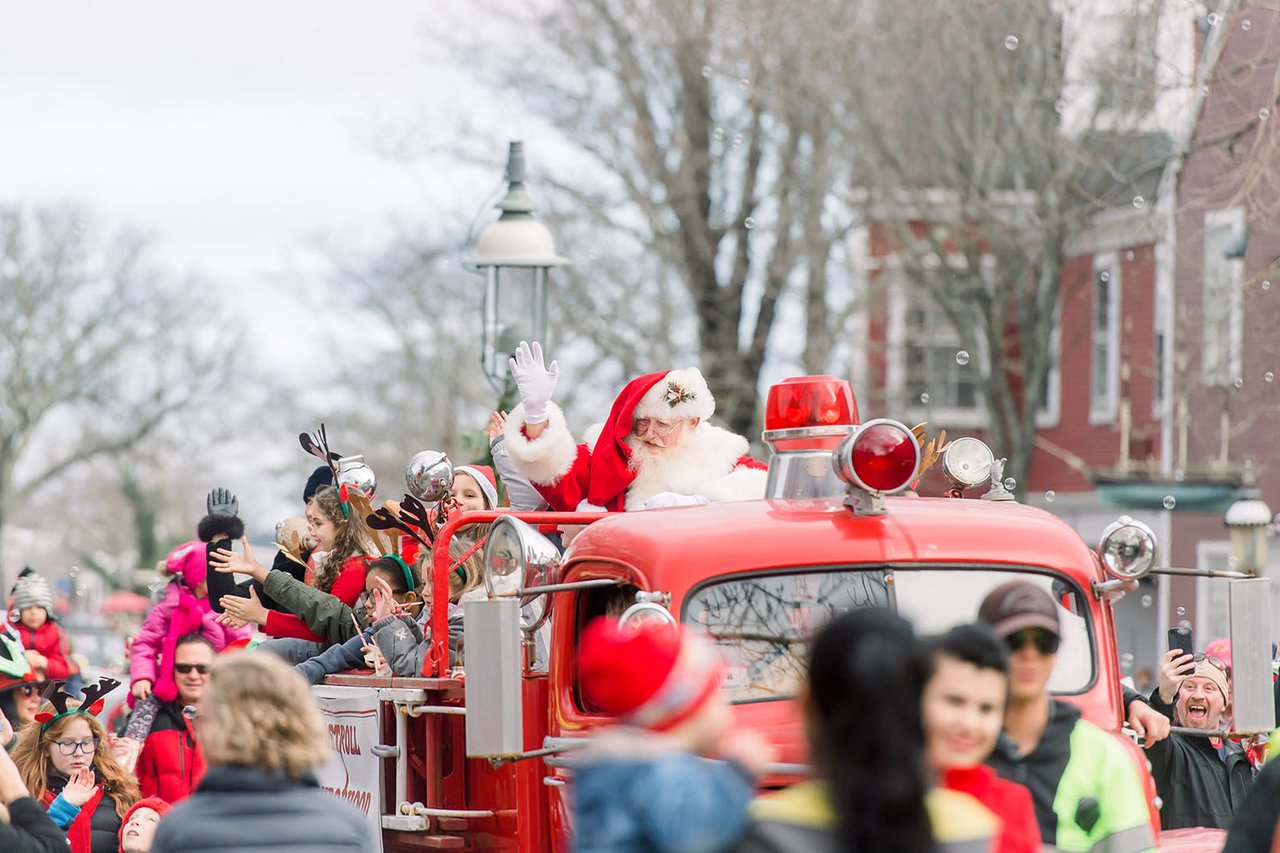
{"points": [[1105, 348], [1225, 237], [932, 374], [1047, 413], [1127, 60]]}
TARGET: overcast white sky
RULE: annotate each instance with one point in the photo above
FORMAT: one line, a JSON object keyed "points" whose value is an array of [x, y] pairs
{"points": [[238, 133]]}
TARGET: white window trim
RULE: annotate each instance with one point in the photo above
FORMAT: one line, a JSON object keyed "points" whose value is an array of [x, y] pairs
{"points": [[1234, 218], [1049, 415], [896, 369], [1104, 410]]}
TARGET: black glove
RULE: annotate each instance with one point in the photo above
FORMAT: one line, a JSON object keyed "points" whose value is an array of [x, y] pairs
{"points": [[222, 502]]}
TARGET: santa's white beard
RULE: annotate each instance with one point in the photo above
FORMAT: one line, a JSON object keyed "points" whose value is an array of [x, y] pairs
{"points": [[654, 464], [703, 455]]}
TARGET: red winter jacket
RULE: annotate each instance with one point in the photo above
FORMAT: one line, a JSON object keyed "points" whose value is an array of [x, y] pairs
{"points": [[49, 641], [171, 763], [1009, 801], [347, 588]]}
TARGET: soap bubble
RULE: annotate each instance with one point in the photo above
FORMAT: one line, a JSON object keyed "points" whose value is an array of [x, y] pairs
{"points": [[1147, 601], [1266, 285], [1010, 42], [1050, 496], [1060, 105], [1126, 662], [706, 71], [1246, 25], [744, 84], [962, 358], [1264, 114], [1214, 19], [1139, 202], [1104, 276], [1238, 384], [1181, 611], [718, 134], [749, 222], [1269, 376], [1169, 502], [924, 397], [1010, 483]]}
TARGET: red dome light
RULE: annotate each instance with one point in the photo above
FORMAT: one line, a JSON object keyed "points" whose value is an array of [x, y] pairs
{"points": [[809, 401], [882, 457]]}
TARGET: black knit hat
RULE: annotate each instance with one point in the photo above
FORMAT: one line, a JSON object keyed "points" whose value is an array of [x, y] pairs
{"points": [[215, 524], [322, 476]]}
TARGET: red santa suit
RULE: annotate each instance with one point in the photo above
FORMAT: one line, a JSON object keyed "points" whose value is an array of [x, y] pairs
{"points": [[605, 472]]}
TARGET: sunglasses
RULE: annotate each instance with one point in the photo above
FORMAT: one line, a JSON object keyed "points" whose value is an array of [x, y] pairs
{"points": [[185, 668], [29, 690], [1213, 661], [1045, 642]]}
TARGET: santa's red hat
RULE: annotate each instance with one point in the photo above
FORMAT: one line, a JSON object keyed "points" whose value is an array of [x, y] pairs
{"points": [[668, 395], [651, 675]]}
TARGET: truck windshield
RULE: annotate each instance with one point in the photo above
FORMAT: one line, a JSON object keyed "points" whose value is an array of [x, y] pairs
{"points": [[760, 623]]}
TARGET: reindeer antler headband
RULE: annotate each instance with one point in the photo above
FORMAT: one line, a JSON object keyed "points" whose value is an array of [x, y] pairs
{"points": [[92, 704]]}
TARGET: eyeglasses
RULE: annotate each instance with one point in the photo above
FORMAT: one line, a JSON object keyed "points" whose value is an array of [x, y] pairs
{"points": [[29, 690], [71, 747], [1045, 642], [1213, 661], [662, 428], [185, 668]]}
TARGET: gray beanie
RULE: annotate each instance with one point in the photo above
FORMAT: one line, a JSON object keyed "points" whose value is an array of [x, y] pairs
{"points": [[32, 591]]}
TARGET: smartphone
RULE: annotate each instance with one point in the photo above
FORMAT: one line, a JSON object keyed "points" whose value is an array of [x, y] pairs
{"points": [[1180, 638]]}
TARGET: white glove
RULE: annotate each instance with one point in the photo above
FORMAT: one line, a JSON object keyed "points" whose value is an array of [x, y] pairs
{"points": [[535, 381], [665, 499], [585, 505]]}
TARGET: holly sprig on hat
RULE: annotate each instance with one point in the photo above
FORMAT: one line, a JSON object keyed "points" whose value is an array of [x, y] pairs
{"points": [[677, 394]]}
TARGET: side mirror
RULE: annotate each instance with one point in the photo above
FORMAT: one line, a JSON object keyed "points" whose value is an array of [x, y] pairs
{"points": [[429, 476], [517, 557], [1127, 548]]}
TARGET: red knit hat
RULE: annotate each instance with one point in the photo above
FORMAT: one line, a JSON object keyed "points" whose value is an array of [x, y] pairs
{"points": [[652, 675], [156, 804]]}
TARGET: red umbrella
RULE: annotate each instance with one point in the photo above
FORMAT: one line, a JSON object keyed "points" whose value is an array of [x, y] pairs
{"points": [[124, 601]]}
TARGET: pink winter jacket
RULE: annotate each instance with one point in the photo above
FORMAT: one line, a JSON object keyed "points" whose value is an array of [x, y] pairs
{"points": [[144, 658]]}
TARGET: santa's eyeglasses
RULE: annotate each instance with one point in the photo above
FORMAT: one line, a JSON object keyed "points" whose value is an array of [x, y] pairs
{"points": [[663, 428]]}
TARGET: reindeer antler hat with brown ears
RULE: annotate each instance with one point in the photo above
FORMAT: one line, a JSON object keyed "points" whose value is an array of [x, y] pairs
{"points": [[92, 704]]}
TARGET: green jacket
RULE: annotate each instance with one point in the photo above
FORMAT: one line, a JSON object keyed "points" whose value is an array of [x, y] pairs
{"points": [[1086, 788], [323, 613]]}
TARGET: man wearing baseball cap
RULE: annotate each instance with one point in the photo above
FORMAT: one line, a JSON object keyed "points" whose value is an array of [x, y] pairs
{"points": [[1201, 780], [1085, 788]]}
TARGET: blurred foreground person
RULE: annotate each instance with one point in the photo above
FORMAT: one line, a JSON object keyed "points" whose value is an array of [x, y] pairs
{"points": [[24, 827], [964, 702], [863, 715], [263, 739], [646, 783]]}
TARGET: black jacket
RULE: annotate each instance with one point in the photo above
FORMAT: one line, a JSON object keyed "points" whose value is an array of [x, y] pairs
{"points": [[1255, 822], [1197, 787], [244, 808], [30, 830], [224, 583]]}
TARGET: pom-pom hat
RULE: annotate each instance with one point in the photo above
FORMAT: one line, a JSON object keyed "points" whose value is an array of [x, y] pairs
{"points": [[188, 561], [654, 676], [32, 590]]}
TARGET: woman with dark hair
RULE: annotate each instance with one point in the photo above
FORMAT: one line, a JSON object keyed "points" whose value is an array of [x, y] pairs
{"points": [[863, 717]]}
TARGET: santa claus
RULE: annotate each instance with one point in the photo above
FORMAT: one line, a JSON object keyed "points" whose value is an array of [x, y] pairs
{"points": [[655, 450]]}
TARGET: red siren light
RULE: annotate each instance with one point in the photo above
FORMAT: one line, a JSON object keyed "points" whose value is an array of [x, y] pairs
{"points": [[882, 457], [819, 408]]}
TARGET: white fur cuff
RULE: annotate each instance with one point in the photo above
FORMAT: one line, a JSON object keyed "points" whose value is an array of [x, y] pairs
{"points": [[740, 484], [546, 459]]}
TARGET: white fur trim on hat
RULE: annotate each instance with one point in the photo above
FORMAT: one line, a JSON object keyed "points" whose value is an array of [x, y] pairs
{"points": [[546, 459], [487, 488], [679, 394]]}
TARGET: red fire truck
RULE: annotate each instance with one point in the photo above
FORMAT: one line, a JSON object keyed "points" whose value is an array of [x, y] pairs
{"points": [[471, 759]]}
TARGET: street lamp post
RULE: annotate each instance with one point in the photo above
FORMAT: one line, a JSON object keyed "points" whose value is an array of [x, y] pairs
{"points": [[515, 253], [1249, 520]]}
